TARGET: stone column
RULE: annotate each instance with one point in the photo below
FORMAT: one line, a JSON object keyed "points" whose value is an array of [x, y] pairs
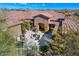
{"points": [[56, 27]]}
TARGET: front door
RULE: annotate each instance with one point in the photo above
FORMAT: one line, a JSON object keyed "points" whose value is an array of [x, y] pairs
{"points": [[41, 26]]}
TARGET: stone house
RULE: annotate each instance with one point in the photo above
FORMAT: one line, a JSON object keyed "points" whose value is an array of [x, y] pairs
{"points": [[40, 18]]}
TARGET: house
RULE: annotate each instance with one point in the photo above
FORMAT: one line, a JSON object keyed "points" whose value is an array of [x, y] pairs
{"points": [[46, 19], [40, 18]]}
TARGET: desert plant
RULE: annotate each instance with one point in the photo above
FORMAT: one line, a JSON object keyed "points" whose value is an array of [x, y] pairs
{"points": [[57, 45], [35, 29], [54, 45], [26, 26], [7, 42], [71, 44]]}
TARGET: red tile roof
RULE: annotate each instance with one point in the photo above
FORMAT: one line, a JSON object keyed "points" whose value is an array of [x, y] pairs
{"points": [[14, 17]]}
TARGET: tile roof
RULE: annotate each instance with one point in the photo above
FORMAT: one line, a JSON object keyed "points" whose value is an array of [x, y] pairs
{"points": [[15, 17]]}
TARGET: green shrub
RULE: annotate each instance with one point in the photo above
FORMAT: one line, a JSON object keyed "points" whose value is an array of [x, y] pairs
{"points": [[71, 44], [6, 44], [44, 49], [36, 29], [68, 44], [26, 26], [57, 45]]}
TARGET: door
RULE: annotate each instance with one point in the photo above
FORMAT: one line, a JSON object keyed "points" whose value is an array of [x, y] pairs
{"points": [[41, 26]]}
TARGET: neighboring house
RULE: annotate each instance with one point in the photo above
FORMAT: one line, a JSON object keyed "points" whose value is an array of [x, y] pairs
{"points": [[41, 19]]}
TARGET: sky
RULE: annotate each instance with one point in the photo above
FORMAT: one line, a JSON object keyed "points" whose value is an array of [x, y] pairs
{"points": [[40, 5]]}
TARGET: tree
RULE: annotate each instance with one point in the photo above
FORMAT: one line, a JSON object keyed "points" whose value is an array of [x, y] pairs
{"points": [[26, 26]]}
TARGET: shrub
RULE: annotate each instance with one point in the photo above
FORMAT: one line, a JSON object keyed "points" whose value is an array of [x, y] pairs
{"points": [[6, 44], [26, 26], [71, 44], [54, 46], [36, 29], [44, 49], [57, 44], [76, 13], [67, 45]]}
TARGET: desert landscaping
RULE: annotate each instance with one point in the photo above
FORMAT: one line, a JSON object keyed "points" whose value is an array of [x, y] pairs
{"points": [[39, 32]]}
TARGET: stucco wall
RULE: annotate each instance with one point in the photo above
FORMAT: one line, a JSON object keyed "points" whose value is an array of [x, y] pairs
{"points": [[38, 20], [15, 31]]}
